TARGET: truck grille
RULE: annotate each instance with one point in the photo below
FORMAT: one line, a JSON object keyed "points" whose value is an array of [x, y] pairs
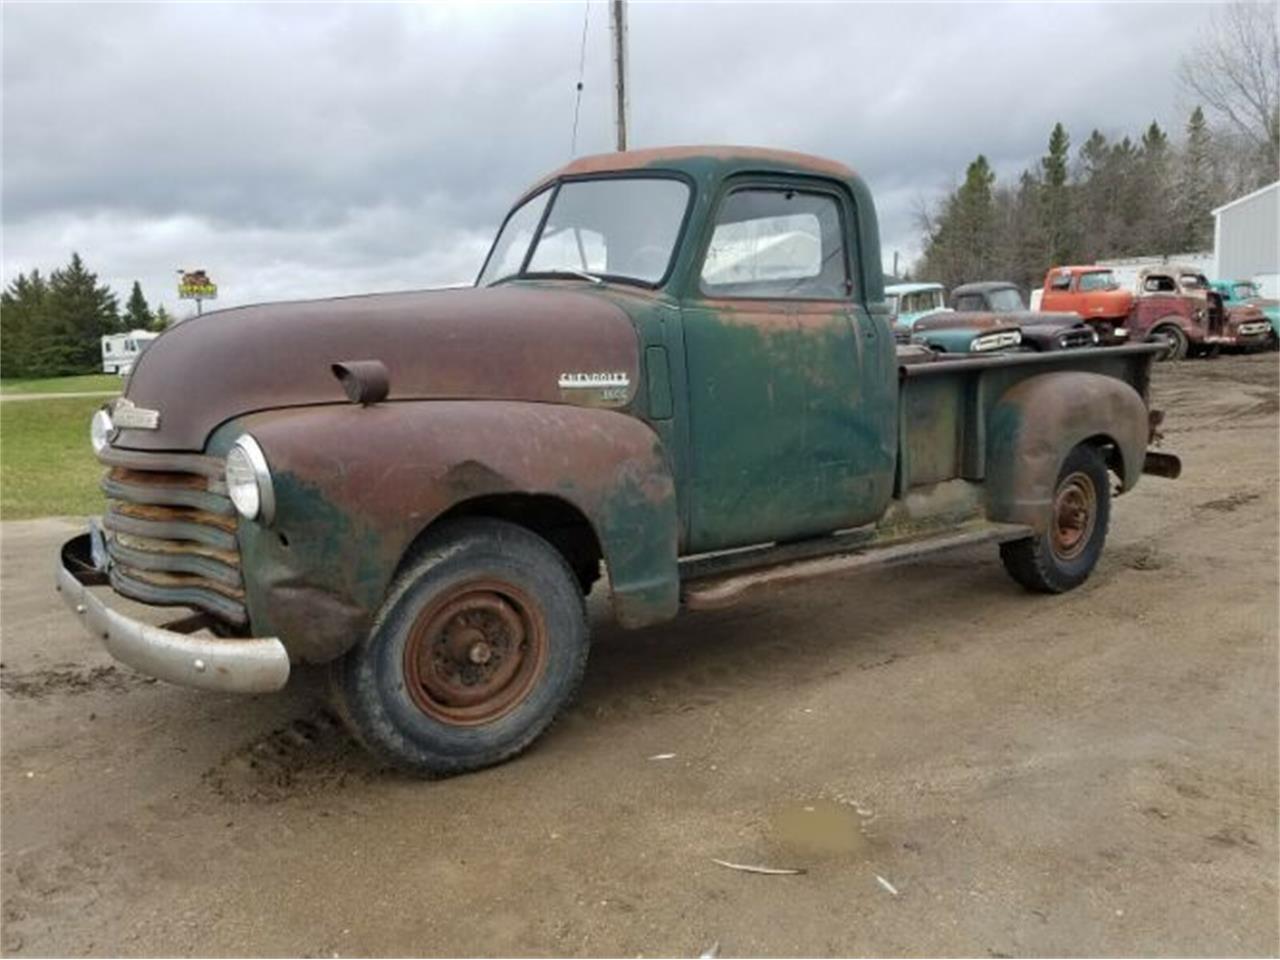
{"points": [[171, 534]]}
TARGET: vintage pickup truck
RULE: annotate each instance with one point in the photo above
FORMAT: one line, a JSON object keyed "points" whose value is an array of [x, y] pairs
{"points": [[420, 488], [1244, 296], [1093, 293]]}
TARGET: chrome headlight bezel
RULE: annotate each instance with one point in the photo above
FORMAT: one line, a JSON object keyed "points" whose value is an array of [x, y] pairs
{"points": [[248, 479], [102, 431]]}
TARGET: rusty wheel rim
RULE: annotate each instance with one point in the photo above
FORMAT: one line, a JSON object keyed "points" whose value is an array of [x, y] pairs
{"points": [[475, 653], [1075, 510]]}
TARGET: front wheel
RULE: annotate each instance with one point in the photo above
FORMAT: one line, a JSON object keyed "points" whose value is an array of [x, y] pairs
{"points": [[1062, 557], [1178, 343], [481, 642]]}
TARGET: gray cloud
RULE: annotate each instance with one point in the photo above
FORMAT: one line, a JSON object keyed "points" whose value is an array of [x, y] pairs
{"points": [[305, 150]]}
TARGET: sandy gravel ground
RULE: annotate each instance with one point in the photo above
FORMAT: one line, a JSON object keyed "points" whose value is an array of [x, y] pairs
{"points": [[960, 767]]}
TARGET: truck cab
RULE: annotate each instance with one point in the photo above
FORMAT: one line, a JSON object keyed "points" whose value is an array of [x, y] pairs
{"points": [[908, 302], [1176, 303], [675, 372], [1093, 293]]}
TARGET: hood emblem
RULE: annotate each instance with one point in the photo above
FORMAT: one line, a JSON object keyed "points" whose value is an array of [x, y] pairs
{"points": [[127, 416], [602, 389]]}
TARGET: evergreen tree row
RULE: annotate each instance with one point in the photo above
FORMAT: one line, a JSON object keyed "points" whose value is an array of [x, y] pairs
{"points": [[53, 327], [1112, 199]]}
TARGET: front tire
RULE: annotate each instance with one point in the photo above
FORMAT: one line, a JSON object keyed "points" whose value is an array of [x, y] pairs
{"points": [[1062, 557], [480, 643], [1178, 343]]}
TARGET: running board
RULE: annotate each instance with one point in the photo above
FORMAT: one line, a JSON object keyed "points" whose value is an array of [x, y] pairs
{"points": [[712, 592]]}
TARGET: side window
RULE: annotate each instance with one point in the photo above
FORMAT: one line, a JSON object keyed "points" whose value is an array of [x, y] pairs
{"points": [[969, 301], [777, 243], [1061, 281]]}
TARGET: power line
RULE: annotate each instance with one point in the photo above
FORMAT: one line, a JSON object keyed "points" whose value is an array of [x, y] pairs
{"points": [[582, 63]]}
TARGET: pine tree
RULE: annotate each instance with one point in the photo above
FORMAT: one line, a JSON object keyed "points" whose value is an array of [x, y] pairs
{"points": [[162, 320], [81, 312], [1155, 228], [976, 227], [137, 314], [1196, 187], [23, 314], [1055, 203], [1095, 208]]}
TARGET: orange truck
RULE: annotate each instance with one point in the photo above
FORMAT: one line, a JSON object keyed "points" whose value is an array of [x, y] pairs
{"points": [[1094, 294]]}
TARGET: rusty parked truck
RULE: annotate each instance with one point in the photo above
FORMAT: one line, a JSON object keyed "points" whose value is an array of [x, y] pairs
{"points": [[675, 370]]}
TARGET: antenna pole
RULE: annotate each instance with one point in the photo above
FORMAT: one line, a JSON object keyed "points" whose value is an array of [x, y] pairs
{"points": [[618, 22]]}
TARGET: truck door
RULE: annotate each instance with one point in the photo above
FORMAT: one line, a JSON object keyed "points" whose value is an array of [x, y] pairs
{"points": [[792, 388]]}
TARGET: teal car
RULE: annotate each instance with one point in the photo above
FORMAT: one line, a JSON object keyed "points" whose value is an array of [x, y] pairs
{"points": [[908, 302], [1245, 293]]}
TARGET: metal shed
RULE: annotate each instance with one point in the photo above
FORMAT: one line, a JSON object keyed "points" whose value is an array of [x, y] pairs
{"points": [[1246, 238]]}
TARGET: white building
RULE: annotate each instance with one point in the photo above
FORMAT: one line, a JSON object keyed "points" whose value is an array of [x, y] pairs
{"points": [[1246, 239]]}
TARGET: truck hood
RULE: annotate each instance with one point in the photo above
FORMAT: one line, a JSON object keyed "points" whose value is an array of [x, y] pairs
{"points": [[977, 321], [511, 342]]}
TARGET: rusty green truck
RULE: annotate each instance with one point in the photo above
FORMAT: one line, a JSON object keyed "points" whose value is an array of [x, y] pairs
{"points": [[675, 371]]}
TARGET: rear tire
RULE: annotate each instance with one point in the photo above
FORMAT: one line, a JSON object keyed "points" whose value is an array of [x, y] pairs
{"points": [[480, 643], [1062, 557]]}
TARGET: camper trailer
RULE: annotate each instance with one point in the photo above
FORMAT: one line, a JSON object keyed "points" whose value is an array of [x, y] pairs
{"points": [[120, 350]]}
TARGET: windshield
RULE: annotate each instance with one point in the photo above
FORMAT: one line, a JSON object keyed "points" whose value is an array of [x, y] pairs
{"points": [[620, 228], [1245, 291], [1006, 300], [1098, 280]]}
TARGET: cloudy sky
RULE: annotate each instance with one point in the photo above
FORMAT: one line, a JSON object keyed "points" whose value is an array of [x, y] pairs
{"points": [[304, 150]]}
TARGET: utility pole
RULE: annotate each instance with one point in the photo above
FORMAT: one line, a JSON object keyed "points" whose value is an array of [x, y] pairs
{"points": [[618, 22]]}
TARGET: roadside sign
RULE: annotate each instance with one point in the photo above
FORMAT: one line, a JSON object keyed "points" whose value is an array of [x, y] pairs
{"points": [[196, 285]]}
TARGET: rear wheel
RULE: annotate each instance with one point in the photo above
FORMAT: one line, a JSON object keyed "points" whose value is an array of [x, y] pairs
{"points": [[1062, 557], [479, 645]]}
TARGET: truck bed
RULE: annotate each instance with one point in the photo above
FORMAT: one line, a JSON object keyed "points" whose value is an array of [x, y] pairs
{"points": [[944, 405]]}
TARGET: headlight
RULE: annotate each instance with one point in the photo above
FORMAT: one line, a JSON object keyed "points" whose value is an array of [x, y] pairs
{"points": [[249, 480], [995, 341], [101, 430]]}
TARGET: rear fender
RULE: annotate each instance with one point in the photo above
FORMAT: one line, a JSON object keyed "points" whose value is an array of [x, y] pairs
{"points": [[1036, 422], [355, 486]]}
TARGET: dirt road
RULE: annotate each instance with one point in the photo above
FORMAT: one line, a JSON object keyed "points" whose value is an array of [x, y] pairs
{"points": [[960, 767]]}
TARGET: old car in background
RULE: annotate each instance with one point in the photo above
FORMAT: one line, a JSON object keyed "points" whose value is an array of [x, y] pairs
{"points": [[421, 488], [1093, 293], [908, 302], [1245, 293], [1000, 301], [951, 332]]}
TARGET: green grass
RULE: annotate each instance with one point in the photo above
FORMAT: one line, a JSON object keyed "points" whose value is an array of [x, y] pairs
{"points": [[82, 384], [46, 465]]}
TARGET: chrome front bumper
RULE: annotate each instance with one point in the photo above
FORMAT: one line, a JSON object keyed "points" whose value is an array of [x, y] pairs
{"points": [[253, 665]]}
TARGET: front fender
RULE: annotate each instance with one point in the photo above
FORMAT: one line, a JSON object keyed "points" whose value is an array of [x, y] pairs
{"points": [[356, 485], [1036, 422]]}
